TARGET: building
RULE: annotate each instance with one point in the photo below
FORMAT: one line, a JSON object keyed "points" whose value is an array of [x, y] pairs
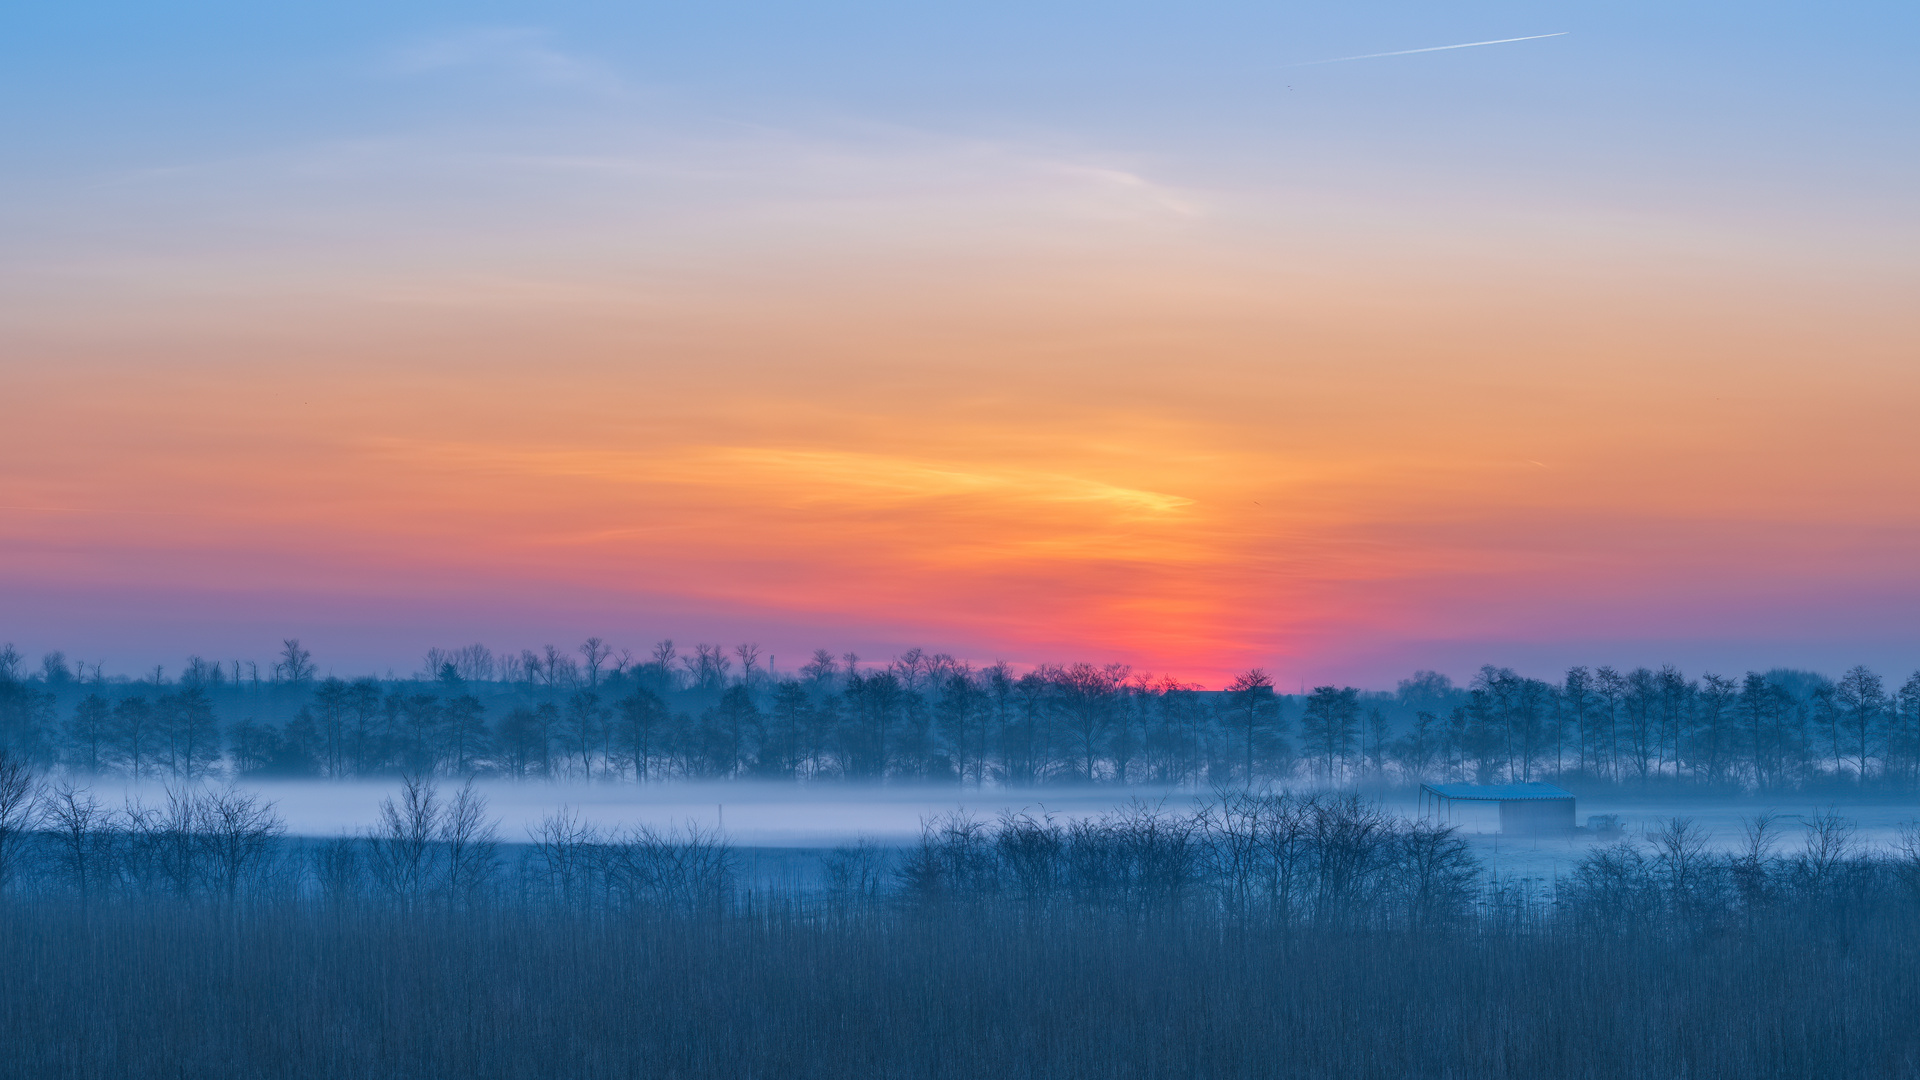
{"points": [[1525, 809]]}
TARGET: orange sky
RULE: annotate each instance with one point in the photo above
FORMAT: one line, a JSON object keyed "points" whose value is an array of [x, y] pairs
{"points": [[1194, 447]]}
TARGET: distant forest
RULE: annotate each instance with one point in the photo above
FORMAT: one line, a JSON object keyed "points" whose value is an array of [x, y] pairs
{"points": [[718, 713]]}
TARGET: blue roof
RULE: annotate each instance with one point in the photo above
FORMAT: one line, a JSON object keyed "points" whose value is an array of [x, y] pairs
{"points": [[1498, 792]]}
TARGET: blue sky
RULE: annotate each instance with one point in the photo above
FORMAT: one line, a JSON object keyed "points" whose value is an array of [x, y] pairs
{"points": [[1701, 92]]}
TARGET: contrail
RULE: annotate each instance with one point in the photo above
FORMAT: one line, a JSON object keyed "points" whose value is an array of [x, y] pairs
{"points": [[1433, 48]]}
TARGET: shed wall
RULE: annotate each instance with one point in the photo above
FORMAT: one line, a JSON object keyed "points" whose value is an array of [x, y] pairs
{"points": [[1537, 817]]}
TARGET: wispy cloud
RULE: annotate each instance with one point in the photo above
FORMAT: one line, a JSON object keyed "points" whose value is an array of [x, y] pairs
{"points": [[885, 477], [374, 213], [521, 52], [1433, 48], [807, 475], [1122, 187]]}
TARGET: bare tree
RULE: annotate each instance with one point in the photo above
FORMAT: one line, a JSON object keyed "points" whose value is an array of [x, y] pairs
{"points": [[558, 669], [189, 730], [1681, 855], [582, 729], [336, 869], [20, 792], [563, 848], [749, 659], [471, 844], [596, 652], [954, 859], [54, 670], [133, 734], [1436, 874], [1752, 868], [239, 833], [161, 843], [641, 724], [1829, 845], [400, 851], [1861, 698], [1329, 724], [689, 872], [1254, 709], [1906, 857], [89, 734], [81, 837], [856, 874], [296, 664]]}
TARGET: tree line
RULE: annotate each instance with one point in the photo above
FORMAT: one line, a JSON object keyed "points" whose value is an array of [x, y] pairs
{"points": [[719, 713]]}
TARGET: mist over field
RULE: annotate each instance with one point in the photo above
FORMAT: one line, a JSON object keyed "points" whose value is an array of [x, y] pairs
{"points": [[583, 864], [826, 815], [959, 541], [631, 939], [752, 813]]}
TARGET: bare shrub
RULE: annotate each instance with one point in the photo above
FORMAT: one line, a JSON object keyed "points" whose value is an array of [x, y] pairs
{"points": [[1352, 842], [855, 875], [425, 850], [469, 845], [240, 834], [337, 870], [1829, 847], [1434, 876], [1906, 858], [20, 791], [1754, 869], [1155, 858], [400, 852], [1684, 863], [82, 838], [563, 857], [954, 860], [1031, 852], [670, 870], [1611, 890]]}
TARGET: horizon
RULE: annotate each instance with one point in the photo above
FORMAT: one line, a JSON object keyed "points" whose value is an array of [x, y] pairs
{"points": [[23, 665]]}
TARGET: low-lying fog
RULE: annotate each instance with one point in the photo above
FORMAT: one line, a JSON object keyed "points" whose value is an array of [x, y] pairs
{"points": [[1878, 823], [752, 814], [755, 815]]}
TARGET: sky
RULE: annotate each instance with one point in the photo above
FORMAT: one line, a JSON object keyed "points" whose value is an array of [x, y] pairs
{"points": [[1039, 332]]}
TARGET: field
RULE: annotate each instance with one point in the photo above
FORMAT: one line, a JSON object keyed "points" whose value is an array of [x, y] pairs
{"points": [[1240, 935]]}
